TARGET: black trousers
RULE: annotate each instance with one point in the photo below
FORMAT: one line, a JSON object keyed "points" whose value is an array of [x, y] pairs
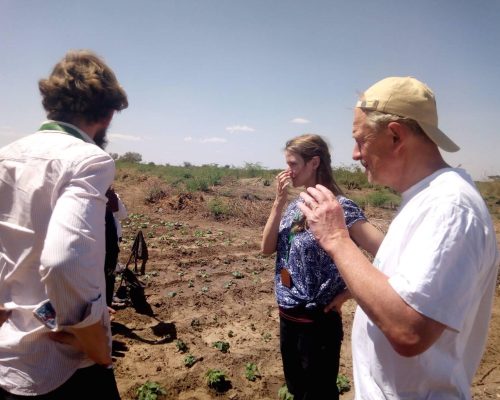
{"points": [[311, 356], [94, 382]]}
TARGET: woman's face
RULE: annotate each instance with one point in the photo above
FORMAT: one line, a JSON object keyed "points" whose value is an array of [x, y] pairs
{"points": [[302, 173]]}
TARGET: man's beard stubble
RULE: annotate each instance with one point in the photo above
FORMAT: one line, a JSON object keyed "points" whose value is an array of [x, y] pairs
{"points": [[100, 138]]}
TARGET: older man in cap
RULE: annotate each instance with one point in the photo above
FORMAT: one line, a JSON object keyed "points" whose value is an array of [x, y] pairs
{"points": [[424, 304]]}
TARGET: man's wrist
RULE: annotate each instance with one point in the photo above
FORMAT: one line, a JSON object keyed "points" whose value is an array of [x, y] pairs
{"points": [[336, 239]]}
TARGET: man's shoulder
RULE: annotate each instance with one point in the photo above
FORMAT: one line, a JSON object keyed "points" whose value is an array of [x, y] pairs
{"points": [[53, 145]]}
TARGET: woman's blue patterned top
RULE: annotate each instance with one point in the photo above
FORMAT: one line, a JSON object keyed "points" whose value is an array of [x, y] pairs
{"points": [[315, 278]]}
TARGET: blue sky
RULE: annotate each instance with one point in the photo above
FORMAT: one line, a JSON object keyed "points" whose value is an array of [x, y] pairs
{"points": [[230, 81]]}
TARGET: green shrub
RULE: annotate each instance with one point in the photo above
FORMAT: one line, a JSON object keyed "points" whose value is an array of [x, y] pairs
{"points": [[378, 199], [155, 194], [218, 208], [150, 391]]}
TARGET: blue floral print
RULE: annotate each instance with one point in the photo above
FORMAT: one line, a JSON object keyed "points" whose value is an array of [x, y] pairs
{"points": [[315, 278]]}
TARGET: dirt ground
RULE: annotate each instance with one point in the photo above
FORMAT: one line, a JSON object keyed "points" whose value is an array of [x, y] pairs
{"points": [[206, 281]]}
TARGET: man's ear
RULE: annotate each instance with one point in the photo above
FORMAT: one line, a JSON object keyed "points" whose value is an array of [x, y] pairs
{"points": [[398, 134]]}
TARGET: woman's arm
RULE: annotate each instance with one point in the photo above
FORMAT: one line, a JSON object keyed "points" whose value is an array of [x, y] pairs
{"points": [[270, 234], [366, 236]]}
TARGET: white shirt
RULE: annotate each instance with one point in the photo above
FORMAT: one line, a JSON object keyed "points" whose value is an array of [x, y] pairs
{"points": [[52, 206], [441, 257]]}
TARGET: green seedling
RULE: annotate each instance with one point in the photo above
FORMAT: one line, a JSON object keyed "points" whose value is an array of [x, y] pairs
{"points": [[238, 275], [343, 383], [150, 391], [251, 372], [190, 360], [222, 346], [284, 394], [266, 336], [195, 324], [181, 346], [216, 379]]}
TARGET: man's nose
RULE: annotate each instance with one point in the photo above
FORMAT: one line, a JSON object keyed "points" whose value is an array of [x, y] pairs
{"points": [[356, 152]]}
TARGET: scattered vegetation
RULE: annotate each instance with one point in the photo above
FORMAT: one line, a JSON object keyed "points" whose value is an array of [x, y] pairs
{"points": [[150, 391]]}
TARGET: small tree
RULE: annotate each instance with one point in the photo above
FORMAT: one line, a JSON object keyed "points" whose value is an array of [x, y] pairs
{"points": [[131, 156]]}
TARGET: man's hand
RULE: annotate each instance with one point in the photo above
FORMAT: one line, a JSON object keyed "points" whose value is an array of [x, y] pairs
{"points": [[4, 314], [91, 340], [324, 214]]}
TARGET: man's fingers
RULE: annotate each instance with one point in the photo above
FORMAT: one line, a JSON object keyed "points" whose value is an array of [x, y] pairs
{"points": [[327, 193], [308, 213], [306, 197]]}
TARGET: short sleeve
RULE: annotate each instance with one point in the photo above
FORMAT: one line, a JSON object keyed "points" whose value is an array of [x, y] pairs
{"points": [[440, 262], [352, 212]]}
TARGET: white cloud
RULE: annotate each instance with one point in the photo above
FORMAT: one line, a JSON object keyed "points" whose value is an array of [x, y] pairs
{"points": [[239, 128], [128, 138], [300, 121], [213, 140]]}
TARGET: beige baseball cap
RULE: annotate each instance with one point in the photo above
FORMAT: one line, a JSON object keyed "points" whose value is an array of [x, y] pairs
{"points": [[410, 98]]}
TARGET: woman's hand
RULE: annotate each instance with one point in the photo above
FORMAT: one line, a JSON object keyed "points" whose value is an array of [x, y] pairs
{"points": [[337, 302], [283, 181]]}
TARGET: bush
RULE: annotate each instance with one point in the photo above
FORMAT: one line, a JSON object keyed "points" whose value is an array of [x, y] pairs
{"points": [[130, 156], [218, 208], [155, 194]]}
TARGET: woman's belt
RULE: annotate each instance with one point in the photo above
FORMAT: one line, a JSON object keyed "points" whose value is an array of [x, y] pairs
{"points": [[302, 315]]}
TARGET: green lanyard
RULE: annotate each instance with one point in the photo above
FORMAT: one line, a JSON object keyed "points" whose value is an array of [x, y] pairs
{"points": [[291, 234], [54, 126]]}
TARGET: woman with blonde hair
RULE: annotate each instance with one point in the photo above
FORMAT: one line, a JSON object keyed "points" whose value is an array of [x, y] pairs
{"points": [[309, 289]]}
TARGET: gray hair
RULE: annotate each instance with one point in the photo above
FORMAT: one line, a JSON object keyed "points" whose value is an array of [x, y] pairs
{"points": [[377, 120]]}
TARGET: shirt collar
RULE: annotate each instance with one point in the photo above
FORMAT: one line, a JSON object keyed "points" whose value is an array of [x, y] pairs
{"points": [[62, 125]]}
